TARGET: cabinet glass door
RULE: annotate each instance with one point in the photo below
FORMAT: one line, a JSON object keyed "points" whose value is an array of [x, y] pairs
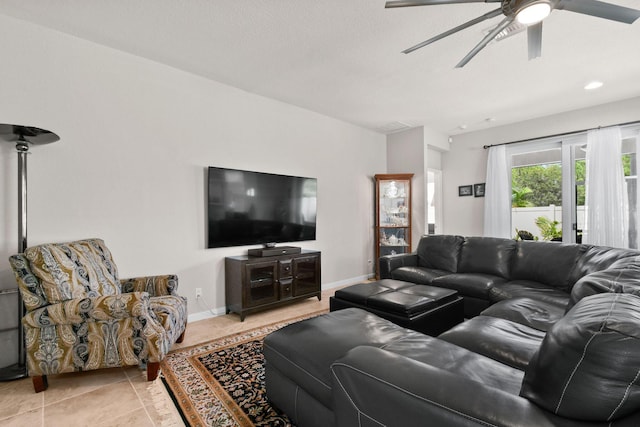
{"points": [[393, 219], [263, 286], [305, 275]]}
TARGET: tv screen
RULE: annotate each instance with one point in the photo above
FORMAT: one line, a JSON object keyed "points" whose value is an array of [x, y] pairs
{"points": [[247, 208]]}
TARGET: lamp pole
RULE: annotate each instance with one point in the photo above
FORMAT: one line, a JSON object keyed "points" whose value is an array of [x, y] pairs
{"points": [[22, 136]]}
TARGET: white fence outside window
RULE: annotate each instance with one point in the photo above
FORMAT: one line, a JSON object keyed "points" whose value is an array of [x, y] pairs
{"points": [[525, 218]]}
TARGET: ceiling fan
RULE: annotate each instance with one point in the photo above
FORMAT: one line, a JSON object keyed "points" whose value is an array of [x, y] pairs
{"points": [[530, 13]]}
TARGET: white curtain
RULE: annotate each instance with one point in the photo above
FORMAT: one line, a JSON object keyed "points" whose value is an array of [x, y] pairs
{"points": [[606, 203], [497, 200]]}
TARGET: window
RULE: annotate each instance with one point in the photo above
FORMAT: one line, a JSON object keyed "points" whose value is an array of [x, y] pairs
{"points": [[536, 194], [548, 186]]}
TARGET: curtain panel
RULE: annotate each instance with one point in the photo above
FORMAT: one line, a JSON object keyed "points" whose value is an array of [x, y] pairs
{"points": [[606, 203], [497, 202]]}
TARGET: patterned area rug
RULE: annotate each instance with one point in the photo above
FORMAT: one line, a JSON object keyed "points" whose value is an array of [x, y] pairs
{"points": [[221, 382]]}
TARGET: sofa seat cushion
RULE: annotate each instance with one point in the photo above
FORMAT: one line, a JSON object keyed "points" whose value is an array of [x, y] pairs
{"points": [[469, 284], [412, 300], [304, 351], [459, 361], [361, 292], [529, 289], [535, 313], [421, 275], [587, 365], [507, 342], [73, 270]]}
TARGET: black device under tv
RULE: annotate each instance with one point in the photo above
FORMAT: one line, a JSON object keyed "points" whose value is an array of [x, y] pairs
{"points": [[274, 251], [248, 208]]}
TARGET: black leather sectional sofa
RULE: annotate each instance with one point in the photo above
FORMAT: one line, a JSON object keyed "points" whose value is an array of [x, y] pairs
{"points": [[552, 339], [486, 270]]}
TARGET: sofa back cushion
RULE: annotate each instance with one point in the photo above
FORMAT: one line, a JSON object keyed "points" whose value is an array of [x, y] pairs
{"points": [[587, 365], [488, 255], [74, 270], [550, 263], [440, 252]]}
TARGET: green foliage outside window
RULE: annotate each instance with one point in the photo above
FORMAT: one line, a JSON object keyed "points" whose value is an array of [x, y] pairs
{"points": [[541, 185], [581, 176], [548, 228], [519, 197]]}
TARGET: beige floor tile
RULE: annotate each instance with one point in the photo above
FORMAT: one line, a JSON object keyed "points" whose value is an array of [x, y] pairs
{"points": [[165, 415], [32, 418], [17, 397], [65, 386], [155, 398], [135, 418], [103, 403], [152, 394]]}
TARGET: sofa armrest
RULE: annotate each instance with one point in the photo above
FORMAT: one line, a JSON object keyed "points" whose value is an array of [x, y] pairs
{"points": [[388, 263], [388, 389], [155, 286], [77, 311]]}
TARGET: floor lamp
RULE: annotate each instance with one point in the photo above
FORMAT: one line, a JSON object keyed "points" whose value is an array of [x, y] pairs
{"points": [[22, 136]]}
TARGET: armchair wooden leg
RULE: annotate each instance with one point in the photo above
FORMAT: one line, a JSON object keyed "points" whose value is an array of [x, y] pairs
{"points": [[40, 383], [181, 337], [152, 370]]}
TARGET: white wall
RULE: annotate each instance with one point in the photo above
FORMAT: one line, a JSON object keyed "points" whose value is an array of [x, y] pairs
{"points": [[434, 159], [405, 154], [136, 138], [466, 162], [413, 151]]}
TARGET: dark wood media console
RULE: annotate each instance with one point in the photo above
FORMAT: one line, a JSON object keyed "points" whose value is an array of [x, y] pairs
{"points": [[258, 283]]}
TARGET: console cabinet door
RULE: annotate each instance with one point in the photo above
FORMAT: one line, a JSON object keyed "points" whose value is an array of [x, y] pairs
{"points": [[306, 275], [262, 283]]}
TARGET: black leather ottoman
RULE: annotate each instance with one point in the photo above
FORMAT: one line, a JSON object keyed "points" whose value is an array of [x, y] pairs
{"points": [[427, 309], [298, 359]]}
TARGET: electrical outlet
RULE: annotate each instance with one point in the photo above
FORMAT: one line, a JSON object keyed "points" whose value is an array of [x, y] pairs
{"points": [[198, 292]]}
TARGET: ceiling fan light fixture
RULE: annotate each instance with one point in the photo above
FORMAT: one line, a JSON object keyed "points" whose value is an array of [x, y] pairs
{"points": [[533, 13]]}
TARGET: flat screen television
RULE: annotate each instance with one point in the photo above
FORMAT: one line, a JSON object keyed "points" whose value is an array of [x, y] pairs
{"points": [[248, 208]]}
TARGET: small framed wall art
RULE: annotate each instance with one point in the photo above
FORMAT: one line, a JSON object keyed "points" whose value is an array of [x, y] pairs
{"points": [[465, 190], [478, 190]]}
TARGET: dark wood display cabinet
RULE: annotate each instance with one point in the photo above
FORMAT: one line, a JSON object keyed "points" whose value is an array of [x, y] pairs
{"points": [[393, 215], [258, 283]]}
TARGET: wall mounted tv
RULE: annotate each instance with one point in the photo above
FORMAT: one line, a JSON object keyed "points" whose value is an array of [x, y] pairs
{"points": [[247, 208]]}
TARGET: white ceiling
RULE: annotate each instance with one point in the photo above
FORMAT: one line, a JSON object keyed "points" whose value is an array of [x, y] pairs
{"points": [[342, 58]]}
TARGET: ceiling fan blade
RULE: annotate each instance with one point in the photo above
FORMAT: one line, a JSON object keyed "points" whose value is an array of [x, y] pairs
{"points": [[486, 40], [601, 9], [534, 39], [484, 17], [407, 3]]}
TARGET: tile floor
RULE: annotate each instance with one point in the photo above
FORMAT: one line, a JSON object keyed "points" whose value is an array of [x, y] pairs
{"points": [[122, 396]]}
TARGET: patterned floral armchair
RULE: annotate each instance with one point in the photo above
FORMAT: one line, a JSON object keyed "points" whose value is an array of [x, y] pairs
{"points": [[80, 316]]}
